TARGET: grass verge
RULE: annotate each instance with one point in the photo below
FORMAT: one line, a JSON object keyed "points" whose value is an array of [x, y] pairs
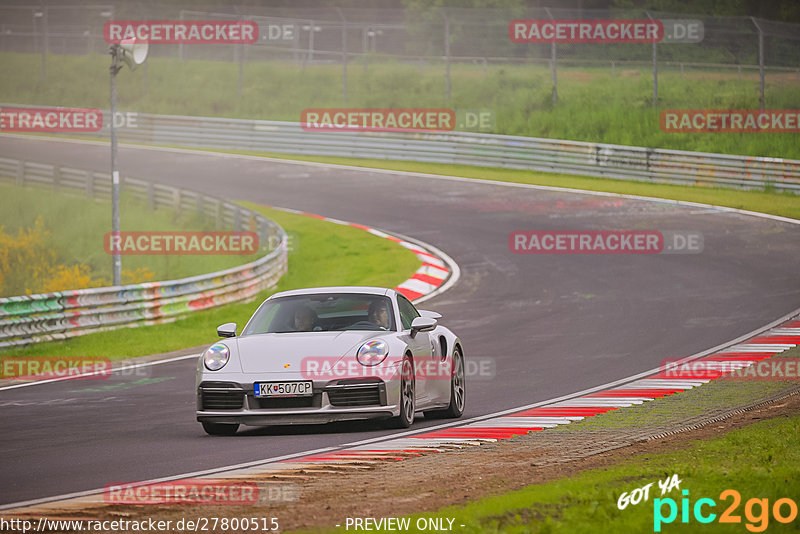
{"points": [[323, 254], [594, 104], [26, 258], [759, 461]]}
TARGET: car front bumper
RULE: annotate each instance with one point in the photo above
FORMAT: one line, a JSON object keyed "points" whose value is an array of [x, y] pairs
{"points": [[337, 400]]}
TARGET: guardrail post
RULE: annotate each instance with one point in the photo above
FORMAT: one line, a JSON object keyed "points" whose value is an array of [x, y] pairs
{"points": [[176, 200], [89, 184], [237, 220], [263, 233], [151, 195], [218, 213], [56, 177], [199, 204], [20, 173]]}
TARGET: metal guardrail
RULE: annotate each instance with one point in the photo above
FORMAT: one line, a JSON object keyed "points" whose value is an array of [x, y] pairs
{"points": [[466, 148], [60, 315]]}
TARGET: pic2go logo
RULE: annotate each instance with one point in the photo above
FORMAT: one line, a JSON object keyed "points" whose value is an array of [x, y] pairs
{"points": [[756, 511]]}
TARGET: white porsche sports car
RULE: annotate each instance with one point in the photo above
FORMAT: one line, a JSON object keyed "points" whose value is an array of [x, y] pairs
{"points": [[331, 354]]}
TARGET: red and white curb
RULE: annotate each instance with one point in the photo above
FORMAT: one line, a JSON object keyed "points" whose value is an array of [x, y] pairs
{"points": [[643, 389], [746, 351], [437, 273]]}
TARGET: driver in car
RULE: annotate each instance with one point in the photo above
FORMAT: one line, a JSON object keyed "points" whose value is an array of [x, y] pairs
{"points": [[378, 314], [304, 319]]}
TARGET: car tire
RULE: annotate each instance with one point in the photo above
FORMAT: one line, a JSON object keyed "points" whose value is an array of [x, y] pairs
{"points": [[458, 391], [220, 429], [407, 399]]}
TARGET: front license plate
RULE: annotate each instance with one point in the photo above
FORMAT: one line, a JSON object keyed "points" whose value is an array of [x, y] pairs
{"points": [[283, 389]]}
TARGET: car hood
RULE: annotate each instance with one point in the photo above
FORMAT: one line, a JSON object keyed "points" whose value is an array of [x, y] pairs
{"points": [[286, 352]]}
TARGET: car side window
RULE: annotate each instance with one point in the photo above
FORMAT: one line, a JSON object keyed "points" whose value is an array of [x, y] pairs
{"points": [[407, 311]]}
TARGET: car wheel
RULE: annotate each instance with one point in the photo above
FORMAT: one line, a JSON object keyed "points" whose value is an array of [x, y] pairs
{"points": [[220, 429], [407, 395], [458, 390]]}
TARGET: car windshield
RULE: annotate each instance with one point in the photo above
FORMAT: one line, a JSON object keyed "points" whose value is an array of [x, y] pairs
{"points": [[323, 312]]}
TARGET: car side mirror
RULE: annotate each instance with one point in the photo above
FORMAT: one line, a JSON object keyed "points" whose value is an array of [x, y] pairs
{"points": [[423, 324], [227, 330], [431, 314]]}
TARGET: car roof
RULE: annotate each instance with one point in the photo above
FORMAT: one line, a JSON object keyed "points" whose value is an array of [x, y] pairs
{"points": [[363, 290]]}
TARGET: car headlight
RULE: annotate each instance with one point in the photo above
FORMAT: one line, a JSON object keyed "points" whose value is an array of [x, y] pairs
{"points": [[216, 356], [372, 352]]}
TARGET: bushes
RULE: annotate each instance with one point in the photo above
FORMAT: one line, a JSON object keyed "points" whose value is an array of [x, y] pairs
{"points": [[29, 265]]}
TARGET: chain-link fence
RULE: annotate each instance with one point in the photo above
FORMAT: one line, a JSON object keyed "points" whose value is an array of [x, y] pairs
{"points": [[427, 36]]}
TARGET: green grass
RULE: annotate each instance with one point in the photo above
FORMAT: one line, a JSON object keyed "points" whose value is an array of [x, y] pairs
{"points": [[323, 254], [77, 226], [775, 203], [759, 461], [594, 104]]}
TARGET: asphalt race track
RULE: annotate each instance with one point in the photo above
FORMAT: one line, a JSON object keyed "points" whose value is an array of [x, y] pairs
{"points": [[553, 324]]}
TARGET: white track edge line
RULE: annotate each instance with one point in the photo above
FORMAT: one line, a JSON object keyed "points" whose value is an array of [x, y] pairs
{"points": [[464, 422], [213, 152]]}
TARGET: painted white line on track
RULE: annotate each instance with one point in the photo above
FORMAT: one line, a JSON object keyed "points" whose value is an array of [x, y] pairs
{"points": [[705, 208], [411, 436], [93, 373]]}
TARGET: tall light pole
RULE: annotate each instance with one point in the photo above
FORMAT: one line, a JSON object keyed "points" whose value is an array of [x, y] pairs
{"points": [[133, 54]]}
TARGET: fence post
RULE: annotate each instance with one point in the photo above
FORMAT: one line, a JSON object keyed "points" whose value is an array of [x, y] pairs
{"points": [[180, 45], [45, 43], [447, 54], [760, 58], [655, 67], [144, 79], [238, 52], [553, 59], [344, 54]]}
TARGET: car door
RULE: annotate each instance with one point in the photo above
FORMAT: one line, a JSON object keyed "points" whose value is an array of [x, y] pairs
{"points": [[421, 349]]}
